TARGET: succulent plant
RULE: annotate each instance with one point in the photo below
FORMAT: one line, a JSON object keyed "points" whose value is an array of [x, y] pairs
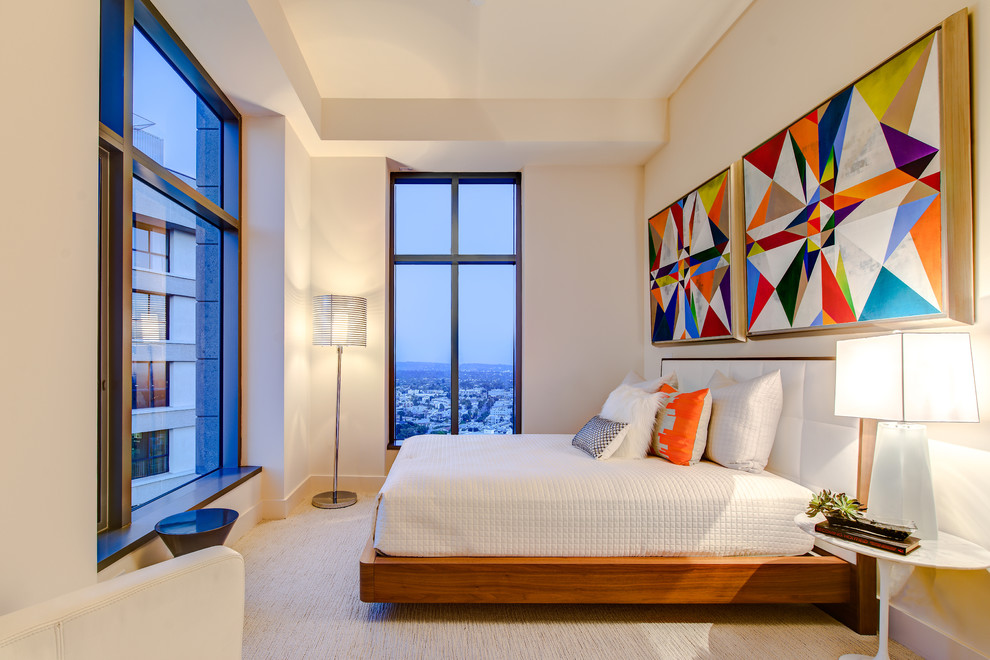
{"points": [[819, 502], [835, 505]]}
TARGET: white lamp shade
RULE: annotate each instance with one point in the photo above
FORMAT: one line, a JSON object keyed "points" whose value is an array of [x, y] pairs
{"points": [[907, 377], [340, 320]]}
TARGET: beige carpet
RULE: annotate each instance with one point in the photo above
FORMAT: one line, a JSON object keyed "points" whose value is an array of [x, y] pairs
{"points": [[302, 602]]}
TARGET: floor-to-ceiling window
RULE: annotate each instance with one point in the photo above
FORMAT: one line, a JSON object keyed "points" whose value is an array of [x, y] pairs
{"points": [[169, 193], [456, 273]]}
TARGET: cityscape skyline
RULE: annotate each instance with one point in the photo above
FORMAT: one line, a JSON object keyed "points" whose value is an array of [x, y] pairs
{"points": [[486, 399]]}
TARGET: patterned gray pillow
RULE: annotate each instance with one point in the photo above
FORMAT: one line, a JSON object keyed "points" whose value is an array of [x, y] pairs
{"points": [[596, 435]]}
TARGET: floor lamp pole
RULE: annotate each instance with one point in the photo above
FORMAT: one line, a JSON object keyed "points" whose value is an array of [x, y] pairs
{"points": [[336, 499]]}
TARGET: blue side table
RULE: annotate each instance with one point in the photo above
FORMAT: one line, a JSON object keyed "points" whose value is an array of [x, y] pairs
{"points": [[194, 530]]}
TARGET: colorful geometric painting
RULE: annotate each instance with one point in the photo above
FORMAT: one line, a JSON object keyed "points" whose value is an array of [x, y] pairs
{"points": [[843, 208], [689, 265]]}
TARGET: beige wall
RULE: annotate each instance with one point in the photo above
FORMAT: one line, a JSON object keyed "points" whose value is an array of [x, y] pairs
{"points": [[298, 312], [766, 72], [263, 284], [349, 256], [50, 271], [583, 288], [580, 226], [275, 304]]}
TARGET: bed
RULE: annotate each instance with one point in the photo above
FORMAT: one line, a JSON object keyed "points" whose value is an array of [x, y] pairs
{"points": [[549, 541]]}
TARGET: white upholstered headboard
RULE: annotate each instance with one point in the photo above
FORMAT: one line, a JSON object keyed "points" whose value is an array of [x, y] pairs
{"points": [[813, 447]]}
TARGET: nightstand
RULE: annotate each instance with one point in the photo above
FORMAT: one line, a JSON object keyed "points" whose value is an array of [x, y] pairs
{"points": [[194, 530], [948, 552]]}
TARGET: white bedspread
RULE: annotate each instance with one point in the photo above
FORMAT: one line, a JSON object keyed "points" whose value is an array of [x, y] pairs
{"points": [[536, 495]]}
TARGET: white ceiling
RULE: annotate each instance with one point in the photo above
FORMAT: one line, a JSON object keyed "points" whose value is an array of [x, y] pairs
{"points": [[459, 84], [505, 49]]}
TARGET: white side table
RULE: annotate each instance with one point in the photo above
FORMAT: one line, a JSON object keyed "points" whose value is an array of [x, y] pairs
{"points": [[948, 552]]}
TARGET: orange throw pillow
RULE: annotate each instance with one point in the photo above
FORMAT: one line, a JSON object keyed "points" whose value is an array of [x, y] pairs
{"points": [[681, 429]]}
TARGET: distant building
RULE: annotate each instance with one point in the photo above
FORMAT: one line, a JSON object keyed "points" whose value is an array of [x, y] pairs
{"points": [[174, 344], [420, 407]]}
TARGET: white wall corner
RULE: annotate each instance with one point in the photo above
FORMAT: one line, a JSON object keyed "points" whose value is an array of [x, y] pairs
{"points": [[263, 301], [349, 255], [296, 433], [364, 486], [279, 509]]}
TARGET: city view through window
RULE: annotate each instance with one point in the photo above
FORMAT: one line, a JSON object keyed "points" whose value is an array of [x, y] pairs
{"points": [[176, 276], [467, 386], [422, 398]]}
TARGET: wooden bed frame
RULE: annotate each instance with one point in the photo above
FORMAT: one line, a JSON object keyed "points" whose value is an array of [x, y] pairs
{"points": [[846, 591]]}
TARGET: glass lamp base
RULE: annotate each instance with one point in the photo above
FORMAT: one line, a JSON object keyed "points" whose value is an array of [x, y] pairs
{"points": [[901, 480]]}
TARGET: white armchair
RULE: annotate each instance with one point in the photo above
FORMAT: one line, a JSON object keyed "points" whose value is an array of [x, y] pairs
{"points": [[188, 607]]}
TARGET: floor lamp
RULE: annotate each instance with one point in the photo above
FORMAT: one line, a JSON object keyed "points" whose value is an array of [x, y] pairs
{"points": [[338, 321], [905, 378]]}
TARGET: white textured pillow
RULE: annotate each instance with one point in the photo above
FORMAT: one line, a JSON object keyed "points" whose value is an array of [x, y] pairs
{"points": [[744, 421], [638, 409], [635, 380]]}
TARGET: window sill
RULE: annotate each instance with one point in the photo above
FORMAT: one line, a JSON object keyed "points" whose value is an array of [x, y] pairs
{"points": [[117, 543]]}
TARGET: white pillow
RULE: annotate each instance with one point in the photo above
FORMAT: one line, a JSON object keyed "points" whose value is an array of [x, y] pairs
{"points": [[744, 421], [720, 380], [638, 409], [635, 380]]}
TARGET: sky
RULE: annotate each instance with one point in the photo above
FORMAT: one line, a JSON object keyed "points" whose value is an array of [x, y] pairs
{"points": [[163, 97], [486, 300]]}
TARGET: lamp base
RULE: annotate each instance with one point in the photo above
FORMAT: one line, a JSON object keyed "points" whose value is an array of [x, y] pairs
{"points": [[901, 480], [334, 499]]}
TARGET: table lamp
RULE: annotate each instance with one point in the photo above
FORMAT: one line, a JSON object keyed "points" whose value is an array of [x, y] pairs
{"points": [[900, 379], [338, 321]]}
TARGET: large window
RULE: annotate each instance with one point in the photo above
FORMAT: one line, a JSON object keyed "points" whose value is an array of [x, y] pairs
{"points": [[455, 304], [169, 177]]}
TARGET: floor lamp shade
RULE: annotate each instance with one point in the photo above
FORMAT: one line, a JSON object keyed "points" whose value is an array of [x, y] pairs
{"points": [[901, 379], [338, 321]]}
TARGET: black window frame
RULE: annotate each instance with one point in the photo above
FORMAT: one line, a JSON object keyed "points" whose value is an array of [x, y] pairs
{"points": [[454, 259], [120, 163]]}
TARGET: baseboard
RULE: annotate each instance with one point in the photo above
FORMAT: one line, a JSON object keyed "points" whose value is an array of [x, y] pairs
{"points": [[927, 641], [356, 483], [318, 483], [279, 509]]}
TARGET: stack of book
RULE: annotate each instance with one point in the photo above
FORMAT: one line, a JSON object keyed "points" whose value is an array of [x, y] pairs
{"points": [[901, 547]]}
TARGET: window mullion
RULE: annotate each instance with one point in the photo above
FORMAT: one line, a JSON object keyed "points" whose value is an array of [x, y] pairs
{"points": [[172, 187], [454, 344]]}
